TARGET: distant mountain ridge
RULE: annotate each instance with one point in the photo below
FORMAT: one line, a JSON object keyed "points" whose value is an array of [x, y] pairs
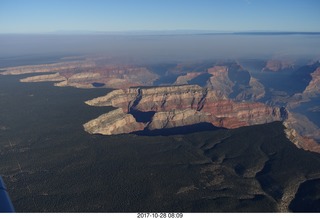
{"points": [[169, 32]]}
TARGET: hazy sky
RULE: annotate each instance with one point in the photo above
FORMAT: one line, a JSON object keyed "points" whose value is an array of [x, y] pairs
{"points": [[34, 16]]}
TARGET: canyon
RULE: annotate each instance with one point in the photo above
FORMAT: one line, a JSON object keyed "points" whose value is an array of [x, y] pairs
{"points": [[313, 88], [209, 136], [87, 73], [276, 65], [222, 94], [176, 106]]}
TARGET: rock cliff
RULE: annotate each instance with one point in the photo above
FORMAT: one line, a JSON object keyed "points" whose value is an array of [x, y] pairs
{"points": [[178, 118], [254, 91], [55, 67], [82, 74], [177, 106], [230, 114], [235, 82], [114, 122], [80, 80], [184, 79], [278, 65], [228, 79], [43, 78], [220, 80], [313, 89], [300, 141], [157, 98]]}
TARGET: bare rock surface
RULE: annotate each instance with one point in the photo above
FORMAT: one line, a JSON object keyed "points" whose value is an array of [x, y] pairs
{"points": [[177, 106], [114, 122]]}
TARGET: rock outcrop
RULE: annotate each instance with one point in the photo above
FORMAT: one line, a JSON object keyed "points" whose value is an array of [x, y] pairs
{"points": [[158, 98], [309, 76], [80, 80], [177, 106], [178, 118], [302, 132], [228, 79], [230, 114], [82, 74], [278, 65], [218, 101], [254, 91], [300, 141], [55, 67], [114, 122], [220, 80], [313, 89], [43, 78], [184, 79], [117, 98], [235, 82]]}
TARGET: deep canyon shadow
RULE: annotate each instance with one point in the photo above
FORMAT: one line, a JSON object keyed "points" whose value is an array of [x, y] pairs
{"points": [[200, 127]]}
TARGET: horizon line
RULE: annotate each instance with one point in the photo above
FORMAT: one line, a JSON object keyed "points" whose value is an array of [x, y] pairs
{"points": [[165, 32]]}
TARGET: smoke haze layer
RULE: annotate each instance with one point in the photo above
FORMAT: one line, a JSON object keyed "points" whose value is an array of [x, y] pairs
{"points": [[160, 48]]}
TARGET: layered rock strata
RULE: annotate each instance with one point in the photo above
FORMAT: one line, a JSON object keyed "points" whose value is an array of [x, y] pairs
{"points": [[158, 98], [55, 67], [302, 132], [82, 74], [178, 118], [230, 114], [177, 106], [300, 141], [43, 78], [114, 122]]}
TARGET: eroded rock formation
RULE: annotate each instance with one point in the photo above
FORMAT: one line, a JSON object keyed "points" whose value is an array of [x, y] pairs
{"points": [[158, 98], [302, 132], [114, 122], [313, 89], [83, 74], [235, 82], [278, 65], [300, 141], [220, 80], [55, 67], [219, 100], [184, 79], [254, 91], [177, 106], [43, 78], [230, 114], [178, 118]]}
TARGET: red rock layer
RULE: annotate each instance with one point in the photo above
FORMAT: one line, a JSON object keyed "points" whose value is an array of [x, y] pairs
{"points": [[221, 111]]}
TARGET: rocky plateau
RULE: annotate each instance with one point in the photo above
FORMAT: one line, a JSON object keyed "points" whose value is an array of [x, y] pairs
{"points": [[176, 106], [223, 94], [278, 65], [88, 73]]}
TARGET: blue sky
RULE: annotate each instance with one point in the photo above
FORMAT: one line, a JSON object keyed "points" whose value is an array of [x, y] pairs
{"points": [[38, 16]]}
